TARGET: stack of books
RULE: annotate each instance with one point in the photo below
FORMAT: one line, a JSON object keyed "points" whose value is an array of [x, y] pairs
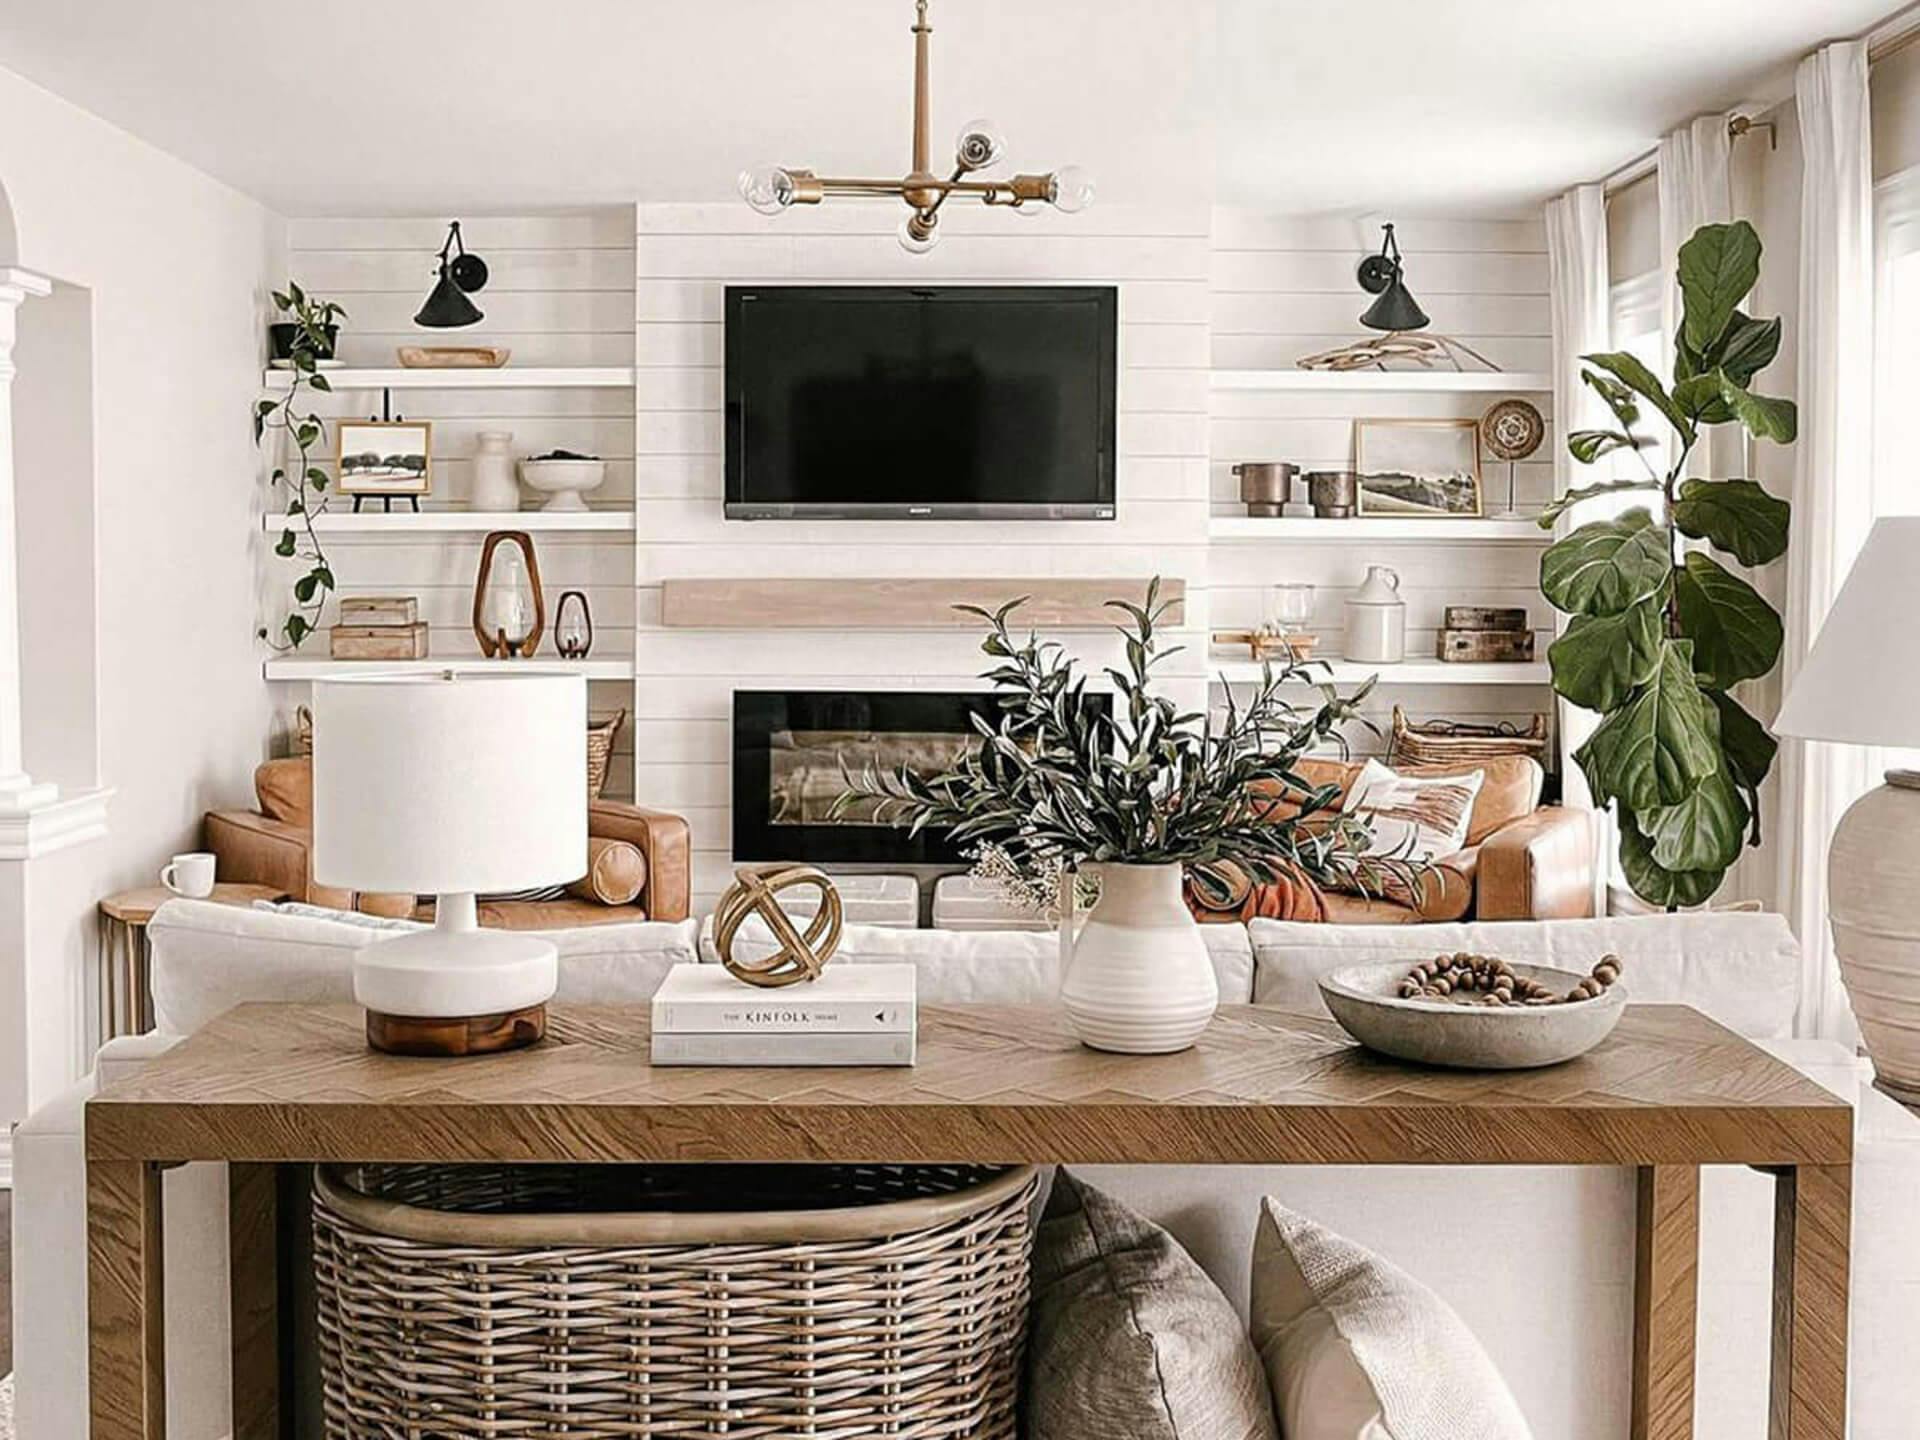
{"points": [[378, 627], [851, 1015]]}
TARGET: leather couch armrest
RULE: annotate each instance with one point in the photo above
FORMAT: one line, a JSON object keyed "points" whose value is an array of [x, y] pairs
{"points": [[1540, 867], [250, 849], [665, 842]]}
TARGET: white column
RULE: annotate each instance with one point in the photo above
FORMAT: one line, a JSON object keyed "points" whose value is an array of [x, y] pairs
{"points": [[17, 790]]}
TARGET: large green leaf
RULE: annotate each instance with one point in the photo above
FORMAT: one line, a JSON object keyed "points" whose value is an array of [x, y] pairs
{"points": [[1748, 347], [1618, 397], [1629, 369], [1718, 266], [1699, 396], [1659, 886], [1746, 753], [1556, 508], [1736, 635], [1601, 658], [1770, 419], [1657, 749], [1606, 566], [1736, 515], [1702, 832], [1587, 446]]}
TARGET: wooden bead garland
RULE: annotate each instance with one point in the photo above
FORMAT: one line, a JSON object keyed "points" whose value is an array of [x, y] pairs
{"points": [[1492, 981], [800, 956]]}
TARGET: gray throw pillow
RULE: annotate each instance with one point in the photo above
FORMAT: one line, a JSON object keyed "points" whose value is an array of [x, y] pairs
{"points": [[1129, 1338]]}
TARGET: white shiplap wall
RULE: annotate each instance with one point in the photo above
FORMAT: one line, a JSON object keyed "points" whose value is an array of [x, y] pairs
{"points": [[560, 293], [1283, 288], [686, 255]]}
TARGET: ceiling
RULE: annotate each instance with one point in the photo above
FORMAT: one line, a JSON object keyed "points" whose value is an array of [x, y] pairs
{"points": [[1481, 106]]}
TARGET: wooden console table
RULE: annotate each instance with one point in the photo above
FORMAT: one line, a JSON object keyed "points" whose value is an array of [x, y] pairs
{"points": [[1669, 1092]]}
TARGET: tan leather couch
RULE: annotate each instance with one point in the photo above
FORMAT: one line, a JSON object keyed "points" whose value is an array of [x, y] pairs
{"points": [[272, 846], [1521, 862]]}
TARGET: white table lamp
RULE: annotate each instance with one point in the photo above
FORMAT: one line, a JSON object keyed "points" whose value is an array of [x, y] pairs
{"points": [[1860, 685], [451, 785]]}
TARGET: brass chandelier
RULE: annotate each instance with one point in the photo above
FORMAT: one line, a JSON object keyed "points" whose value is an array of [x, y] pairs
{"points": [[772, 188]]}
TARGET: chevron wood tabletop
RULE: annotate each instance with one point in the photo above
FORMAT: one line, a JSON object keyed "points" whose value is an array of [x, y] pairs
{"points": [[290, 1082]]}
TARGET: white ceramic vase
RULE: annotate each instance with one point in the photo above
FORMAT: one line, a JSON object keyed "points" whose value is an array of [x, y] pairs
{"points": [[1137, 978], [1377, 619], [494, 488]]}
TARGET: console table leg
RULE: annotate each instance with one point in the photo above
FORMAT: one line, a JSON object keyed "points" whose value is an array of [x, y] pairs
{"points": [[126, 1368], [1665, 1301], [253, 1253], [1812, 1233]]}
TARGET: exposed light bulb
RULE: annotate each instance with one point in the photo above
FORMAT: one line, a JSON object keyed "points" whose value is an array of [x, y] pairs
{"points": [[769, 189], [1071, 190], [981, 143], [912, 241]]}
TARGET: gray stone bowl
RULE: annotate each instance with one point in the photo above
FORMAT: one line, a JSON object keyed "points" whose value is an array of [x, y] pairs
{"points": [[1365, 1000]]}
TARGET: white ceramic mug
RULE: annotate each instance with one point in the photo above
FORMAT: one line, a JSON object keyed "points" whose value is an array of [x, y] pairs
{"points": [[190, 875]]}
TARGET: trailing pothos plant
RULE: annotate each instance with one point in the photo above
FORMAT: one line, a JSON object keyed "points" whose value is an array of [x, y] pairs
{"points": [[1662, 631], [303, 483], [1060, 781]]}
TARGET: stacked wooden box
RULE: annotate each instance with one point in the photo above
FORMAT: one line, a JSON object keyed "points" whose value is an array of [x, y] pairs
{"points": [[1477, 634], [379, 627]]}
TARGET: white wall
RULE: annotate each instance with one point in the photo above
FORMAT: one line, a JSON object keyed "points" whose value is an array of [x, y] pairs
{"points": [[177, 267]]}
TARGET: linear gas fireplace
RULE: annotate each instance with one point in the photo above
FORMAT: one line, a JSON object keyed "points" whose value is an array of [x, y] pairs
{"points": [[789, 747]]}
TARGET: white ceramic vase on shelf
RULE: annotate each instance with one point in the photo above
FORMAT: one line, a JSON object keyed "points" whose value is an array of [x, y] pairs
{"points": [[494, 487], [1377, 619], [1137, 979]]}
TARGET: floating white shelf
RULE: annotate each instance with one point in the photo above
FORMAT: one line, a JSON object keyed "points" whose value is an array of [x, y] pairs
{"points": [[1387, 382], [1407, 672], [611, 667], [404, 522], [507, 377], [1376, 527]]}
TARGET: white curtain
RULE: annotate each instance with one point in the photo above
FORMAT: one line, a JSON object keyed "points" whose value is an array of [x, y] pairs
{"points": [[1577, 271], [1695, 186], [1833, 487]]}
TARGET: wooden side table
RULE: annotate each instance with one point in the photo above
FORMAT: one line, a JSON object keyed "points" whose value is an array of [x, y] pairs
{"points": [[126, 1007]]}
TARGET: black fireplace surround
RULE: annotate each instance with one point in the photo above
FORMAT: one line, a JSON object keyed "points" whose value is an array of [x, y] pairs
{"points": [[788, 749]]}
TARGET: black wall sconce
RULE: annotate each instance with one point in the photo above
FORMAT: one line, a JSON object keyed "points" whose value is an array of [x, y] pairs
{"points": [[461, 275], [1384, 275]]}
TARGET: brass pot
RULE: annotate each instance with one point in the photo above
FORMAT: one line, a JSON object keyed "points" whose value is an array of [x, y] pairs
{"points": [[1334, 494], [1265, 485]]}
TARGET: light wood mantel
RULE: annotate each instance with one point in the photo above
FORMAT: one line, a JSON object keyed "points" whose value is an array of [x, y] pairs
{"points": [[910, 603]]}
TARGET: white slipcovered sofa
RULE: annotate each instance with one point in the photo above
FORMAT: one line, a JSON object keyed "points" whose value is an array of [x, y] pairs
{"points": [[1552, 1302]]}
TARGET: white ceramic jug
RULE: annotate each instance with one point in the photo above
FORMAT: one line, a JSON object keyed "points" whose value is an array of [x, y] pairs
{"points": [[494, 487], [1137, 979], [1377, 619]]}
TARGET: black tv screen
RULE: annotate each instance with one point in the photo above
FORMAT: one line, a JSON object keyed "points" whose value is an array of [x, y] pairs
{"points": [[910, 402]]}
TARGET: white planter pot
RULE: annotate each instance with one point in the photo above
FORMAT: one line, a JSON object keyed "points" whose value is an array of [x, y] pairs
{"points": [[1137, 980], [494, 487]]}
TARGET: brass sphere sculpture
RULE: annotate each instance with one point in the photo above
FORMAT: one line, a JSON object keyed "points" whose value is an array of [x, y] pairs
{"points": [[801, 956]]}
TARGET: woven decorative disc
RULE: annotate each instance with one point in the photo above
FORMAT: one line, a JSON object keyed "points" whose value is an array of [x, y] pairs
{"points": [[1512, 430], [801, 956]]}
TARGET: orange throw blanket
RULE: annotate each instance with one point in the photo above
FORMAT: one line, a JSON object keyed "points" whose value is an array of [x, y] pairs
{"points": [[1223, 892]]}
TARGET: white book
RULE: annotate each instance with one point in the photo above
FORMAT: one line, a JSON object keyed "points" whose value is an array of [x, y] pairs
{"points": [[845, 1000], [774, 1048]]}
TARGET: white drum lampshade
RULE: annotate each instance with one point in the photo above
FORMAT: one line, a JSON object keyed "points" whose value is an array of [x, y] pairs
{"points": [[1860, 685], [451, 784]]}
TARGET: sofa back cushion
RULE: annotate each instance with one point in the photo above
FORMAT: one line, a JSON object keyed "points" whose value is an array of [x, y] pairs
{"points": [[1510, 790], [1741, 969], [284, 789], [208, 958], [985, 967]]}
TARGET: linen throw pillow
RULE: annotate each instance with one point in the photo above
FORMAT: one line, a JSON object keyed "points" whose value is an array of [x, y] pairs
{"points": [[1414, 817], [1129, 1339], [1356, 1349]]}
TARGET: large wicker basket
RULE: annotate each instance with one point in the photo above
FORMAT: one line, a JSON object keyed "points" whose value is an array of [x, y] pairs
{"points": [[693, 1301], [1453, 742]]}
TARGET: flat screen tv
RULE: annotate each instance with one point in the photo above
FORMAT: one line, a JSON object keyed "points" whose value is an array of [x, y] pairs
{"points": [[920, 402]]}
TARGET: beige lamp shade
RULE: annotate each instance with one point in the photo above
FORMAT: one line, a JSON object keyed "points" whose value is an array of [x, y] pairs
{"points": [[449, 783], [1861, 683]]}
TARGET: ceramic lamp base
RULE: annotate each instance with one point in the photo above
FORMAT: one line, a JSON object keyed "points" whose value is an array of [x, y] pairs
{"points": [[1873, 879], [455, 989]]}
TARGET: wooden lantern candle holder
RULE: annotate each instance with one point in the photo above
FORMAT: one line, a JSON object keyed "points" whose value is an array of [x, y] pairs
{"points": [[494, 643]]}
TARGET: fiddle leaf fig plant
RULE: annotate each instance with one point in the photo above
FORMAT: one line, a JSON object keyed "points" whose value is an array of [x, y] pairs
{"points": [[1661, 633], [290, 418]]}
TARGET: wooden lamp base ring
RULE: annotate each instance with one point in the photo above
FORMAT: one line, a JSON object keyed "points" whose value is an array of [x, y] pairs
{"points": [[458, 1034]]}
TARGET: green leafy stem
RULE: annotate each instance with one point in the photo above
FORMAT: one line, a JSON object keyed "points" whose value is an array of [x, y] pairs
{"points": [[291, 419], [1662, 632]]}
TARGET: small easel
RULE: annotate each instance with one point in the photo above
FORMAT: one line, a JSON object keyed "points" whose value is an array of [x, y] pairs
{"points": [[387, 416]]}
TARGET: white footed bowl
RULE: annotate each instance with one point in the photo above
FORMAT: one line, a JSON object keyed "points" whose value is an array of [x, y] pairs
{"points": [[563, 480], [1365, 1000]]}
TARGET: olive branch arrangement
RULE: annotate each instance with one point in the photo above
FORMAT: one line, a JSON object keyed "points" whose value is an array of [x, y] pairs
{"points": [[304, 482], [1059, 782]]}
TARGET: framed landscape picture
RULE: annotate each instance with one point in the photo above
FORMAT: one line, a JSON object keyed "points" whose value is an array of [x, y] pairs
{"points": [[1414, 468], [385, 457]]}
